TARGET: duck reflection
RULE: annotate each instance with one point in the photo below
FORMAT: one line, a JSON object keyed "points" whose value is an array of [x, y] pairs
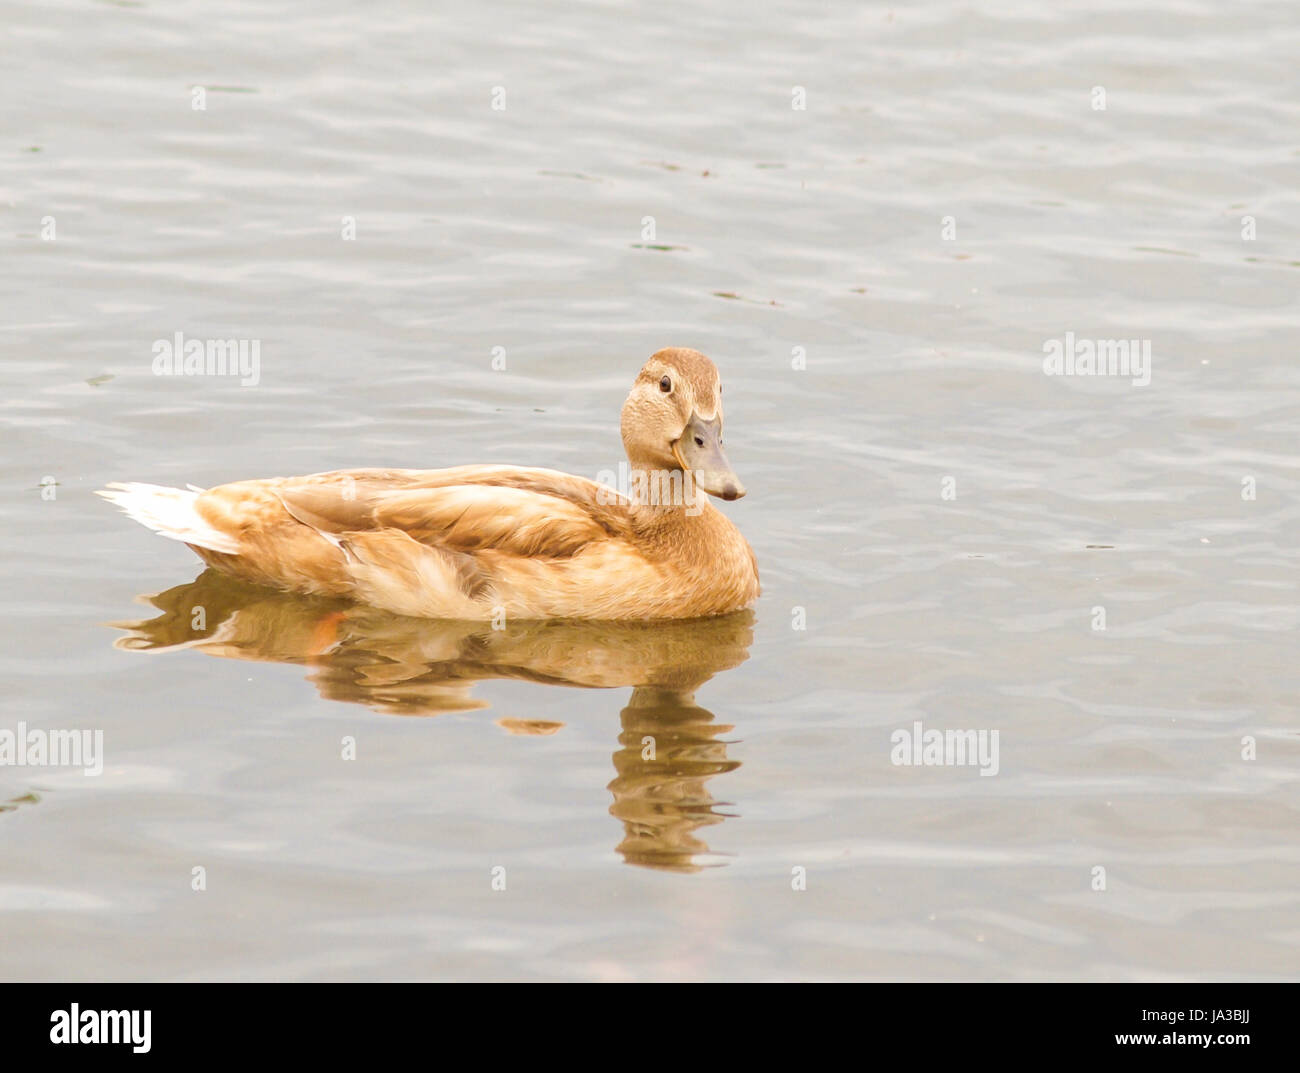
{"points": [[669, 747]]}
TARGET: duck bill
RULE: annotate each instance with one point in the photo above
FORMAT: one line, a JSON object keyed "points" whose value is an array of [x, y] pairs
{"points": [[699, 451]]}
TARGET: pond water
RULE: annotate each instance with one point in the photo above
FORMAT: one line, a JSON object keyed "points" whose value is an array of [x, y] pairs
{"points": [[455, 237]]}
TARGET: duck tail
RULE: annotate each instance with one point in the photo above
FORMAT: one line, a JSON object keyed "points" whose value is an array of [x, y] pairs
{"points": [[170, 512]]}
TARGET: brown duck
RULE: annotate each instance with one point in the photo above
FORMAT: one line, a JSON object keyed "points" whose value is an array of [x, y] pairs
{"points": [[482, 542]]}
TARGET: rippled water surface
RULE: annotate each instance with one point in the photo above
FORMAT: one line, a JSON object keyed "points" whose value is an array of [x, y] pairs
{"points": [[876, 274]]}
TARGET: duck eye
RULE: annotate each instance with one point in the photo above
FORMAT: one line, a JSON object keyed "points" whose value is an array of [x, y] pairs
{"points": [[665, 384]]}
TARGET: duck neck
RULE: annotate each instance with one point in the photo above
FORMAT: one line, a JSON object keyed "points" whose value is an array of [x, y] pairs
{"points": [[666, 498]]}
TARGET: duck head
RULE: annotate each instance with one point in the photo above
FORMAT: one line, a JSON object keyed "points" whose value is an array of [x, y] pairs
{"points": [[672, 420]]}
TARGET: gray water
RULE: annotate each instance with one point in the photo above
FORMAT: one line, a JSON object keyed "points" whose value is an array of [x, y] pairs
{"points": [[877, 275]]}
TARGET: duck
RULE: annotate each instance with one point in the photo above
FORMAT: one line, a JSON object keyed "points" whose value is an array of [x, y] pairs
{"points": [[496, 542]]}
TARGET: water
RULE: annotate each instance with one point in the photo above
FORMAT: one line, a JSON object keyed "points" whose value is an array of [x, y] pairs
{"points": [[941, 517]]}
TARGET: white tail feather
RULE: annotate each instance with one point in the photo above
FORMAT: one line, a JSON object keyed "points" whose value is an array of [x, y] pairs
{"points": [[169, 512]]}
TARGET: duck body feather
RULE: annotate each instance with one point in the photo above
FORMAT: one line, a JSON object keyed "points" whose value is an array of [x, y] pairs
{"points": [[476, 542], [488, 541]]}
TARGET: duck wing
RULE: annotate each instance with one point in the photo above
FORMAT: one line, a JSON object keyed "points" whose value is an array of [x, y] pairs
{"points": [[532, 513]]}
